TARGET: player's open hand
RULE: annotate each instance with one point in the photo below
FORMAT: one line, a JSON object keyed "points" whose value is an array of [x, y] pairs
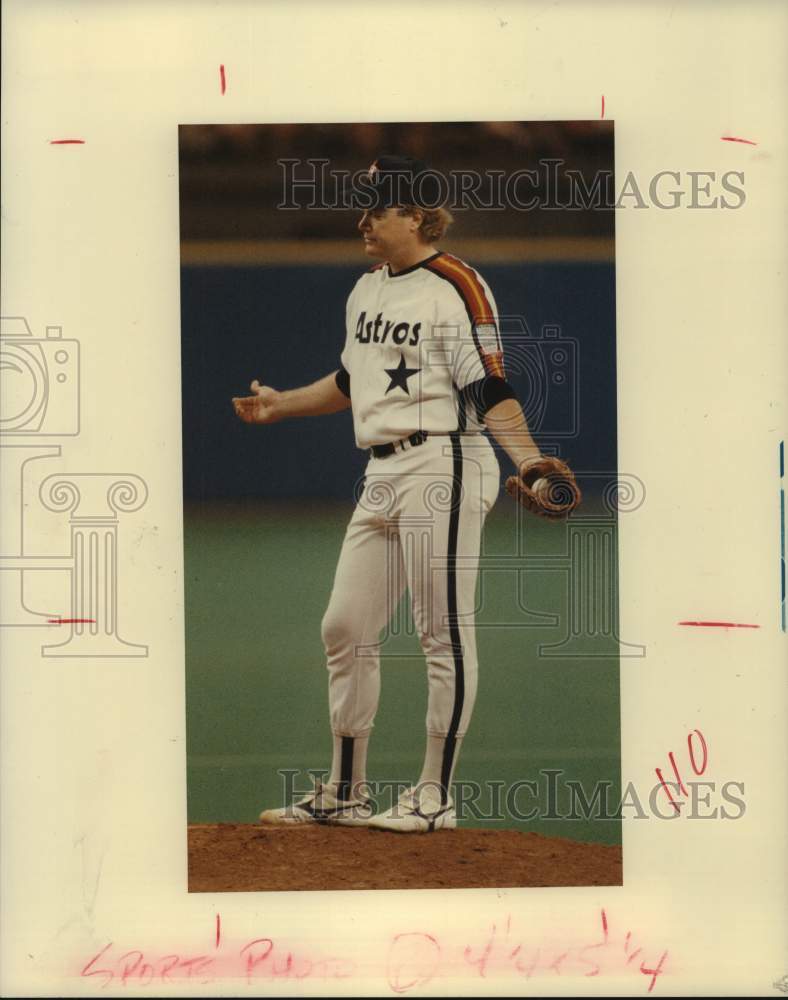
{"points": [[261, 408]]}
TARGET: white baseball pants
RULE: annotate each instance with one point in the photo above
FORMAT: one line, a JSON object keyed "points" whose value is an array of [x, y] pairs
{"points": [[418, 523]]}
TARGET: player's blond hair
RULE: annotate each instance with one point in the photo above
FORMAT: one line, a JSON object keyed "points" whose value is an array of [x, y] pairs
{"points": [[434, 224]]}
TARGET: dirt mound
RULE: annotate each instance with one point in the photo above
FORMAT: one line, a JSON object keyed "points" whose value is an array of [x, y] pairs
{"points": [[233, 857]]}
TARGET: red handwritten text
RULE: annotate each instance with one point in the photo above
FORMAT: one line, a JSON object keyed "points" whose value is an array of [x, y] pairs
{"points": [[260, 958], [411, 959], [698, 769], [416, 958]]}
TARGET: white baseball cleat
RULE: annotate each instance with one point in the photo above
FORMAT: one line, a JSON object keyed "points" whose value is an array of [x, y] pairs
{"points": [[416, 813], [320, 806]]}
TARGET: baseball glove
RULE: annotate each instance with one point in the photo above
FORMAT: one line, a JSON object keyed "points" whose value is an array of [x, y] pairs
{"points": [[546, 486]]}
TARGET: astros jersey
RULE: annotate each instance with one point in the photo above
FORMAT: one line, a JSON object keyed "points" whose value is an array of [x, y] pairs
{"points": [[414, 341]]}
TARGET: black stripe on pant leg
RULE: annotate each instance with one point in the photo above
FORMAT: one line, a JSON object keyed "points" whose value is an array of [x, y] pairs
{"points": [[345, 768], [462, 420], [454, 628]]}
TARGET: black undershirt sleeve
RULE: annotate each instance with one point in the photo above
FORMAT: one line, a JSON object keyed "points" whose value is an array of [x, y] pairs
{"points": [[342, 379], [486, 393]]}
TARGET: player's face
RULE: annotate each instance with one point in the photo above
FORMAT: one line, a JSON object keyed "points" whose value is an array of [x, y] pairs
{"points": [[386, 233]]}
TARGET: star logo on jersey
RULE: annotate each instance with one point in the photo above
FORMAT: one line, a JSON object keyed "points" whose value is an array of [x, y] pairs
{"points": [[399, 376]]}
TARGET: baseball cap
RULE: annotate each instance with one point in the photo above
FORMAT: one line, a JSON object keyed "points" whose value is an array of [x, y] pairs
{"points": [[395, 180]]}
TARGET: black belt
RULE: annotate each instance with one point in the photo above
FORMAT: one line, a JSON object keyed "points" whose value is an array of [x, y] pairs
{"points": [[384, 450]]}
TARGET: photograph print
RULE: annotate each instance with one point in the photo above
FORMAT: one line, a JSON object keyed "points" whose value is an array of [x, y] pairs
{"points": [[401, 499]]}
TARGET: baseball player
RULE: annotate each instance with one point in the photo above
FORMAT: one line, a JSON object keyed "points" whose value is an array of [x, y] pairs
{"points": [[422, 369]]}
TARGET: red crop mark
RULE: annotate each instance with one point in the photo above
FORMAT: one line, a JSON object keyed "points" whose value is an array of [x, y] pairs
{"points": [[71, 621], [733, 138], [603, 107], [218, 929], [720, 624], [222, 78], [66, 142]]}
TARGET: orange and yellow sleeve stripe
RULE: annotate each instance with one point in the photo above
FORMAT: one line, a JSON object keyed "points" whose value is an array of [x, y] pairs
{"points": [[477, 305]]}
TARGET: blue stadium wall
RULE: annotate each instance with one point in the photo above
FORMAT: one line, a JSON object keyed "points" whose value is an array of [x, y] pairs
{"points": [[285, 326]]}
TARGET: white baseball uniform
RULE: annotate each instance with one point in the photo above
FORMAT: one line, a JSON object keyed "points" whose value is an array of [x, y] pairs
{"points": [[420, 344]]}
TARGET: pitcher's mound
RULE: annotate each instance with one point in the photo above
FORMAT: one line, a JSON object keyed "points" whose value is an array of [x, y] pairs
{"points": [[243, 857]]}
